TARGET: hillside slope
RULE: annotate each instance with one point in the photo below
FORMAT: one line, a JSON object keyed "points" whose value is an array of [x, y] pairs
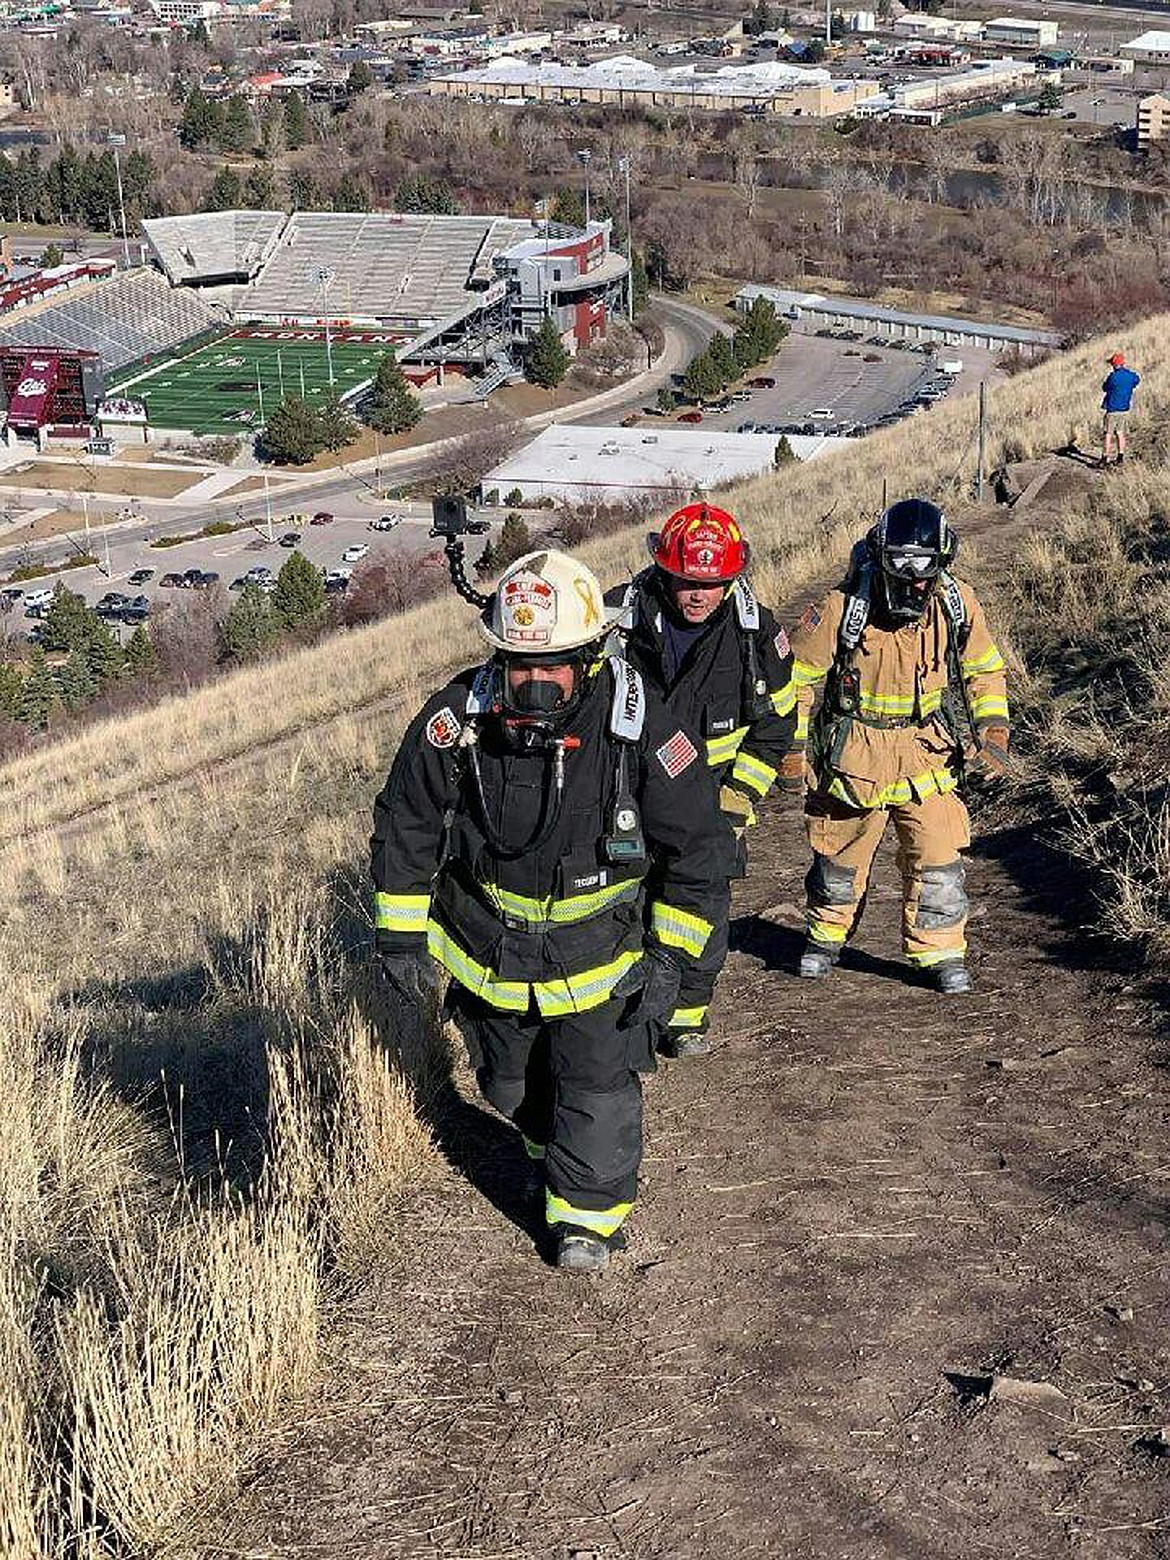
{"points": [[183, 935]]}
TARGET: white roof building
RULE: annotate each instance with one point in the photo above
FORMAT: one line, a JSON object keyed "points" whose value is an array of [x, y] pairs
{"points": [[571, 463], [1153, 48]]}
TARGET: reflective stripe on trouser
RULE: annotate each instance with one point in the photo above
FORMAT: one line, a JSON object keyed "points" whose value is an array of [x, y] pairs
{"points": [[570, 1083], [930, 833], [698, 985]]}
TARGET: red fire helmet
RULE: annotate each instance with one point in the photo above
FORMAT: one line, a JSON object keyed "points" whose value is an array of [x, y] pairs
{"points": [[702, 544]]}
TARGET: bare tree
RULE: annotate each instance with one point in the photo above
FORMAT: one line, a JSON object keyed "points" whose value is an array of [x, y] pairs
{"points": [[461, 463]]}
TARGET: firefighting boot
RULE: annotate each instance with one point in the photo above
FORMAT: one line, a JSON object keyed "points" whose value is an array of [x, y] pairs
{"points": [[816, 961], [686, 1042], [581, 1251], [952, 978]]}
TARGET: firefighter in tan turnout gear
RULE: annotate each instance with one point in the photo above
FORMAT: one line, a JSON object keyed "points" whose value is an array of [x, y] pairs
{"points": [[526, 806], [915, 692]]}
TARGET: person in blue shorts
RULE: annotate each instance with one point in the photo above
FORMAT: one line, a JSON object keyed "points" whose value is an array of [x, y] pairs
{"points": [[1117, 398]]}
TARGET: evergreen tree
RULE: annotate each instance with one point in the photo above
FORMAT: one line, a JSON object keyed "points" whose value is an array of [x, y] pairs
{"points": [[272, 138], [11, 688], [393, 406], [197, 124], [259, 191], [38, 697], [351, 194], [513, 541], [224, 193], [299, 597], [785, 454], [103, 655], [1050, 98], [251, 625], [360, 79], [68, 623], [547, 360], [419, 193], [141, 656], [292, 434], [335, 427], [721, 355], [237, 134], [702, 379], [568, 207], [76, 684], [296, 122], [303, 194], [52, 255]]}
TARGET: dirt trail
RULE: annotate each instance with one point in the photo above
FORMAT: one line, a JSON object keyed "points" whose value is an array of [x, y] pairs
{"points": [[864, 1189]]}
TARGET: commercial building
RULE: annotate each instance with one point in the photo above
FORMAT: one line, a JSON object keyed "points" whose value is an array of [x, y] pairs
{"points": [[1024, 32], [811, 311], [1151, 48], [570, 463], [767, 87], [1153, 119], [926, 100]]}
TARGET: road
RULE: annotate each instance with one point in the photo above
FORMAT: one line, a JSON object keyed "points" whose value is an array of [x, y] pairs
{"points": [[349, 494]]}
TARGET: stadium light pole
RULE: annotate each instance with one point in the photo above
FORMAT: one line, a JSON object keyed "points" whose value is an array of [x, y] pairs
{"points": [[585, 158], [323, 276], [624, 167], [117, 142]]}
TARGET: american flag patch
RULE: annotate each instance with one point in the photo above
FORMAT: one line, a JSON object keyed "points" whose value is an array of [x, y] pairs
{"points": [[781, 643], [676, 754]]}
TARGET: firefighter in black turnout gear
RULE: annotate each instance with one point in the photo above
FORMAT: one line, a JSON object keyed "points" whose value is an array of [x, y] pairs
{"points": [[528, 803], [692, 626]]}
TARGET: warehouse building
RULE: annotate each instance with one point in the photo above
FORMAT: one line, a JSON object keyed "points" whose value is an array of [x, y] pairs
{"points": [[1024, 32], [1151, 48], [767, 87], [813, 310], [570, 464]]}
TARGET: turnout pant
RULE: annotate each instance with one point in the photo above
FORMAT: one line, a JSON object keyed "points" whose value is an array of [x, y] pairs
{"points": [[571, 1086], [691, 1016], [930, 835]]}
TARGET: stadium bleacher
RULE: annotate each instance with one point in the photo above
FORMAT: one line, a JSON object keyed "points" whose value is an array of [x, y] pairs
{"points": [[402, 270], [134, 315], [214, 246]]}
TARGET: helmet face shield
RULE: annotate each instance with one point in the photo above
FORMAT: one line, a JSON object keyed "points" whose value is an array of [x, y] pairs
{"points": [[911, 545]]}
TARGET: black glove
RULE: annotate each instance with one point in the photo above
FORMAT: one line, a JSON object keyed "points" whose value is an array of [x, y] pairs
{"points": [[657, 980], [406, 977]]}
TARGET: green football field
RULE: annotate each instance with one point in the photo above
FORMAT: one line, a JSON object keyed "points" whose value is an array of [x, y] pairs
{"points": [[233, 384]]}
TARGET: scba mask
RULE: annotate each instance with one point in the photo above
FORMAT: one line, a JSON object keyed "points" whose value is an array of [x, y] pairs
{"points": [[538, 706]]}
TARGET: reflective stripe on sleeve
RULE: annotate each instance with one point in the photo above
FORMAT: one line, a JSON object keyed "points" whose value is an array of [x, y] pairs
{"points": [[784, 699], [804, 673], [602, 1221], [676, 928], [989, 661], [754, 772], [401, 912], [802, 726], [992, 706], [721, 750]]}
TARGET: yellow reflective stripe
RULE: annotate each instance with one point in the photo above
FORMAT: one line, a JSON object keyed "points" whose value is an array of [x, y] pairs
{"points": [[579, 993], [602, 1221], [401, 912], [560, 912], [989, 661], [886, 703], [754, 772], [827, 932], [476, 977], [804, 673], [687, 1018], [931, 956], [784, 699], [989, 706], [676, 928], [801, 734], [918, 787], [720, 750]]}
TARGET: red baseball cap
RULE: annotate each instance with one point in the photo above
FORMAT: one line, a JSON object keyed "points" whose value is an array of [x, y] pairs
{"points": [[1118, 359]]}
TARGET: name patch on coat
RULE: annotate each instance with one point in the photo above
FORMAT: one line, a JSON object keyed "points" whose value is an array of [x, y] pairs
{"points": [[675, 754], [443, 728]]}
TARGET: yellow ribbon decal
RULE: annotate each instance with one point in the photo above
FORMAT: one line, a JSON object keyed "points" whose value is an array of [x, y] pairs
{"points": [[585, 591]]}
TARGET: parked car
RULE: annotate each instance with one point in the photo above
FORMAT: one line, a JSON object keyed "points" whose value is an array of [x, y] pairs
{"points": [[289, 539], [355, 553], [258, 573], [191, 578], [478, 527], [207, 578], [9, 596], [821, 412], [141, 576], [740, 396], [241, 582], [385, 523], [40, 597], [112, 604], [747, 427], [690, 417], [763, 382], [872, 357], [170, 580], [718, 407], [322, 517]]}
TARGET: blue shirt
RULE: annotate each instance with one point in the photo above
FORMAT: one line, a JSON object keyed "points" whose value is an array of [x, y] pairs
{"points": [[1119, 387]]}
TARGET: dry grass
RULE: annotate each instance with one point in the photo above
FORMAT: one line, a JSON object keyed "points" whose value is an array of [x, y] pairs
{"points": [[204, 1129]]}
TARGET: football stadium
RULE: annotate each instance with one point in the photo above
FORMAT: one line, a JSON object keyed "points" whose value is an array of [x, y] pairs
{"points": [[239, 308]]}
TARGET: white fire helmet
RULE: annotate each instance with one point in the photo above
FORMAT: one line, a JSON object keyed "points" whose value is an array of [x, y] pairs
{"points": [[546, 602]]}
